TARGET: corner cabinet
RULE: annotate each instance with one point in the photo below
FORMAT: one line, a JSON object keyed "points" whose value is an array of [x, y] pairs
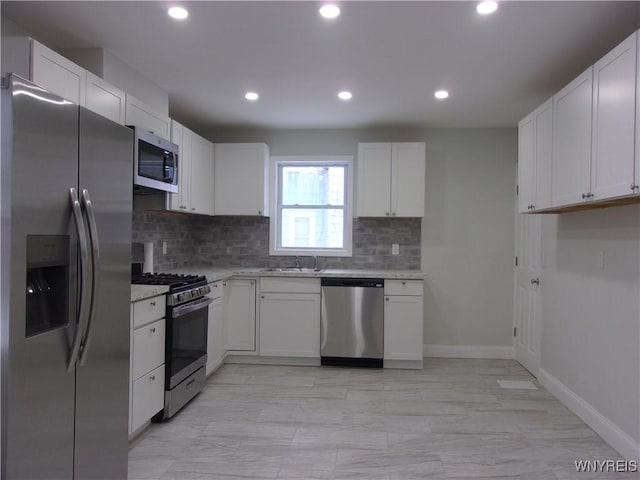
{"points": [[195, 172], [241, 179], [289, 313], [146, 361], [390, 180], [240, 325], [403, 323]]}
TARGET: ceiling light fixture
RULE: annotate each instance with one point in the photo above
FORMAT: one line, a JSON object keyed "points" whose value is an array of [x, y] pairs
{"points": [[345, 95], [441, 94], [485, 8], [251, 96], [178, 13], [329, 11]]}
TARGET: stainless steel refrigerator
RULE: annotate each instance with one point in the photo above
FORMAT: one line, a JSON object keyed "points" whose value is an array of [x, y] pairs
{"points": [[65, 202]]}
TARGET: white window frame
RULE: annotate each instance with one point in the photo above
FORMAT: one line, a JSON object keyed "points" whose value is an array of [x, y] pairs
{"points": [[302, 160]]}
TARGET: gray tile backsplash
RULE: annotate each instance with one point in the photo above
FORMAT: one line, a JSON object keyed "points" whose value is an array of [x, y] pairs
{"points": [[237, 242]]}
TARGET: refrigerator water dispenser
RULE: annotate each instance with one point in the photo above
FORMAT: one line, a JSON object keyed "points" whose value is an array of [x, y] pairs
{"points": [[47, 289]]}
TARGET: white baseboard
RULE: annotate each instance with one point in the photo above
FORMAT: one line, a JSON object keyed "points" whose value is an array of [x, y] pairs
{"points": [[610, 432], [468, 351]]}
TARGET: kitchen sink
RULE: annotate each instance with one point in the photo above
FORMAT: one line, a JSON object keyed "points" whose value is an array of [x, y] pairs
{"points": [[292, 270]]}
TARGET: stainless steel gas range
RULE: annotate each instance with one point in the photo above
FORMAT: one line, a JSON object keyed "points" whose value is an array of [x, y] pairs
{"points": [[186, 337]]}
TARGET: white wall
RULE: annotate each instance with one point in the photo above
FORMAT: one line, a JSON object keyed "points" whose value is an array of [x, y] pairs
{"points": [[467, 233], [468, 242], [590, 345]]}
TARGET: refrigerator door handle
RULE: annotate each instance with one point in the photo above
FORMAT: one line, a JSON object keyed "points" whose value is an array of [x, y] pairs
{"points": [[95, 273], [84, 277]]}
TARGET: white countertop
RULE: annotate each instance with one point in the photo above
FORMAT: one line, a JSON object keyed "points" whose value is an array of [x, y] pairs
{"points": [[140, 292], [214, 274]]}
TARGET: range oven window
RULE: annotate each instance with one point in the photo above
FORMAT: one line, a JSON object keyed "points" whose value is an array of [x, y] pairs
{"points": [[156, 163], [188, 340]]}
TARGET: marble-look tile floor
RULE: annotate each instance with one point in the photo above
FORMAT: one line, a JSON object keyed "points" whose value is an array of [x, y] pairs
{"points": [[450, 420]]}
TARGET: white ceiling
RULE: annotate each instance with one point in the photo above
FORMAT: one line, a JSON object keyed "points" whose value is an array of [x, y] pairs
{"points": [[391, 55]]}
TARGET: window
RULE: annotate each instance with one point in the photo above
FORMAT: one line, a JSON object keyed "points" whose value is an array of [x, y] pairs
{"points": [[313, 210]]}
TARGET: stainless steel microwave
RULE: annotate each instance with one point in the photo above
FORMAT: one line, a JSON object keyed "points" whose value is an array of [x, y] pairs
{"points": [[155, 162]]}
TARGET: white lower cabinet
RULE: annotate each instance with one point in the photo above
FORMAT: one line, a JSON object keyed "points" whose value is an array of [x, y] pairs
{"points": [[148, 397], [146, 360], [290, 317], [403, 322], [241, 316], [215, 330]]}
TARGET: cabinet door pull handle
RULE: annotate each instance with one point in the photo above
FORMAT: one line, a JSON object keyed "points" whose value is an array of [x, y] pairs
{"points": [[152, 329], [535, 281], [404, 283], [387, 214], [386, 299], [152, 378], [259, 212], [634, 187], [153, 304], [262, 296], [393, 214]]}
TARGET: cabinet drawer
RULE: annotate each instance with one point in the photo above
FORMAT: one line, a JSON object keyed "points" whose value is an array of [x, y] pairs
{"points": [[216, 289], [403, 287], [146, 311], [289, 285], [148, 347], [147, 398]]}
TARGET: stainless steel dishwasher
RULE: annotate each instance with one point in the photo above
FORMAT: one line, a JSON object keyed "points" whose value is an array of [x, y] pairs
{"points": [[352, 322]]}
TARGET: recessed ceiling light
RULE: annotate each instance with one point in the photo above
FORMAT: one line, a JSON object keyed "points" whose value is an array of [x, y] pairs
{"points": [[251, 96], [484, 8], [329, 11], [345, 95], [178, 13], [441, 94]]}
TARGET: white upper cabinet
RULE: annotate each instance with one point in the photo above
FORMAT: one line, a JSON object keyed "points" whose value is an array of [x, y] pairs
{"points": [[390, 180], [105, 99], [58, 74], [142, 115], [241, 179], [202, 171], [572, 141], [181, 136], [526, 163], [614, 103], [373, 180], [195, 172], [535, 155]]}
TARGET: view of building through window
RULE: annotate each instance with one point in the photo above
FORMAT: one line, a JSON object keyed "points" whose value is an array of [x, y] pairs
{"points": [[312, 202]]}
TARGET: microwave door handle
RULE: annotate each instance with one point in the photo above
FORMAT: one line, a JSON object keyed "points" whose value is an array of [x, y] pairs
{"points": [[95, 273], [84, 277]]}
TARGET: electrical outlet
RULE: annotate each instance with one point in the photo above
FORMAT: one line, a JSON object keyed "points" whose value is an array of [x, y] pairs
{"points": [[395, 249], [164, 248]]}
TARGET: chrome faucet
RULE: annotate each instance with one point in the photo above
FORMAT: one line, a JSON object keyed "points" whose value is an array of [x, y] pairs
{"points": [[315, 263], [297, 262]]}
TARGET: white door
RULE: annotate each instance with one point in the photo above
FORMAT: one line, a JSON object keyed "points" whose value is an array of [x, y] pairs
{"points": [[527, 291], [403, 327]]}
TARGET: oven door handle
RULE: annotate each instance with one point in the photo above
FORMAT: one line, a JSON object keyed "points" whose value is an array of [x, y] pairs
{"points": [[190, 307]]}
